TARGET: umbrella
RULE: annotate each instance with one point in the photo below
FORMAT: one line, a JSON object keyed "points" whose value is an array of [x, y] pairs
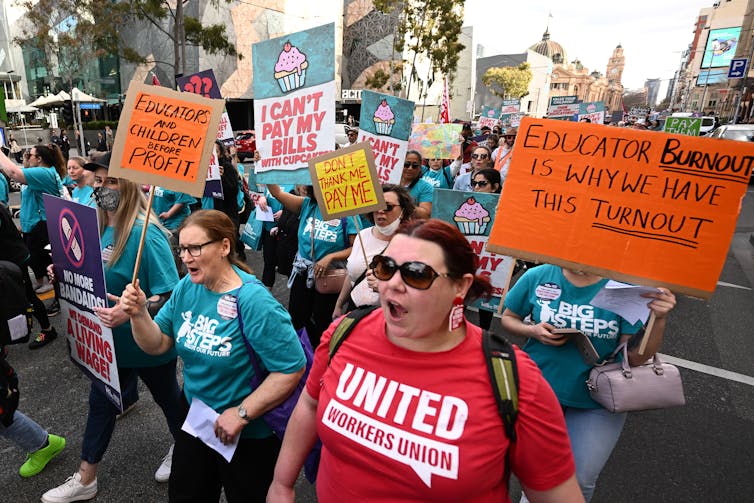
{"points": [[48, 101], [81, 97]]}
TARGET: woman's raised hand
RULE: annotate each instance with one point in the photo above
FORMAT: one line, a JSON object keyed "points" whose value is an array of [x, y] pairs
{"points": [[133, 299]]}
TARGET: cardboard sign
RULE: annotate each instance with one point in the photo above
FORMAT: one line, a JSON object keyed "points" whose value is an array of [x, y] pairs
{"points": [[683, 125], [202, 83], [637, 206], [474, 213], [294, 103], [76, 253], [385, 123], [346, 182], [436, 141], [165, 138]]}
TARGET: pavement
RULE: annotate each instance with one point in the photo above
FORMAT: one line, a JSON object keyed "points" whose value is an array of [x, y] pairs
{"points": [[701, 452]]}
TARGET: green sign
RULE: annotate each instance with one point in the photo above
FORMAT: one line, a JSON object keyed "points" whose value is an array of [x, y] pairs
{"points": [[683, 125]]}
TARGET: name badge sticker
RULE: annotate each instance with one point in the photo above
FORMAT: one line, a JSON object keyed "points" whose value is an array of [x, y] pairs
{"points": [[227, 307]]}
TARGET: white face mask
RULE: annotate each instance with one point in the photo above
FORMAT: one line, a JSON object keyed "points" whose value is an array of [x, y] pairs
{"points": [[389, 229]]}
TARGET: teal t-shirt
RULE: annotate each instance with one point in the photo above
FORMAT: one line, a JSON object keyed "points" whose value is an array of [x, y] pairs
{"points": [[157, 275], [275, 205], [208, 203], [38, 181], [328, 234], [546, 295], [84, 195], [207, 334], [164, 199], [422, 192], [4, 190], [440, 179]]}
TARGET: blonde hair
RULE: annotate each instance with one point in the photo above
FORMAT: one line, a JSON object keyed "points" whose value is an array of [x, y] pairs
{"points": [[132, 207]]}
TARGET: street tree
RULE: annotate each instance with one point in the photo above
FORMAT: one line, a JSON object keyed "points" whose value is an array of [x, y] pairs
{"points": [[72, 33], [428, 29], [509, 82]]}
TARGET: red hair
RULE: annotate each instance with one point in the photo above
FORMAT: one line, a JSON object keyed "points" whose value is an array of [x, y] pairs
{"points": [[460, 259]]}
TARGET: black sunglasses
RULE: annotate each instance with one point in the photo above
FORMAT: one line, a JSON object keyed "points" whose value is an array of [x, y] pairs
{"points": [[479, 156], [415, 274], [388, 208], [415, 165], [480, 183]]}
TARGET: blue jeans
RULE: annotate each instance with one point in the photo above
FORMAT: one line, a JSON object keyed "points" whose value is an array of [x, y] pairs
{"points": [[593, 434], [25, 432], [100, 423]]}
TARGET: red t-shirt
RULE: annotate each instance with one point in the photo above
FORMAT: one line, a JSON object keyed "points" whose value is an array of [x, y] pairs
{"points": [[401, 425]]}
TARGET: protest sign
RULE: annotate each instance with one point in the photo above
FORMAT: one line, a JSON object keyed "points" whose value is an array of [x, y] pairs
{"points": [[436, 141], [294, 103], [474, 213], [637, 206], [385, 124], [593, 110], [567, 111], [683, 125], [346, 182], [563, 100], [165, 138], [511, 107], [489, 117], [202, 83], [76, 254]]}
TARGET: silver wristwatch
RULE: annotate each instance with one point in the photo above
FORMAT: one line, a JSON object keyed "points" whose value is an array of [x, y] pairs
{"points": [[242, 413]]}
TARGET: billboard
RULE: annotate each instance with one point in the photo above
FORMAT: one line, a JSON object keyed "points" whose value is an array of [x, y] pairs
{"points": [[721, 47], [713, 76]]}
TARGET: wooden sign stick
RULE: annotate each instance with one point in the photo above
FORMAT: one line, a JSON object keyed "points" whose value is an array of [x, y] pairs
{"points": [[647, 331], [358, 235], [143, 235], [505, 290]]}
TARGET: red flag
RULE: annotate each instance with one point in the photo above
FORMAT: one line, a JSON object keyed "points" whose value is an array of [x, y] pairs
{"points": [[155, 80], [445, 105]]}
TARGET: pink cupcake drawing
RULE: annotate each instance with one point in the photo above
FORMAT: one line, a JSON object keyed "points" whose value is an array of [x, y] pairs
{"points": [[472, 218], [383, 118], [290, 69]]}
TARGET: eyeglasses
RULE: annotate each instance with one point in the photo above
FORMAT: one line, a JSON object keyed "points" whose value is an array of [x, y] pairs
{"points": [[415, 274], [480, 183], [509, 136], [388, 208], [414, 165], [479, 156], [194, 250]]}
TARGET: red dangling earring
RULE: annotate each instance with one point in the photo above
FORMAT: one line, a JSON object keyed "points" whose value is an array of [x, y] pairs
{"points": [[456, 318]]}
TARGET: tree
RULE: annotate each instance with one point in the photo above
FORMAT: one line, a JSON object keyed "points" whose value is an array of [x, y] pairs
{"points": [[511, 81], [429, 29], [72, 33]]}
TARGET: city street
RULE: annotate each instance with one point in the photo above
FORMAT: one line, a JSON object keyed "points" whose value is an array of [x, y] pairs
{"points": [[703, 451]]}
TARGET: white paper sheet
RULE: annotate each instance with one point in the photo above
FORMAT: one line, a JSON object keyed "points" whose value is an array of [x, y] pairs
{"points": [[200, 423], [265, 216], [18, 327], [625, 300]]}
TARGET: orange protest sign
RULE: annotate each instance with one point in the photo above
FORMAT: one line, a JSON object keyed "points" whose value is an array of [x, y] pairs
{"points": [[346, 182], [638, 206], [165, 138]]}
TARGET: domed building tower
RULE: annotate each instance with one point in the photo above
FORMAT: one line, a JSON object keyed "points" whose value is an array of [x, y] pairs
{"points": [[552, 50]]}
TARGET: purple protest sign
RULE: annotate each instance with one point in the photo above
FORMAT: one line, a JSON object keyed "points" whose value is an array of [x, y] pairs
{"points": [[76, 254], [202, 83]]}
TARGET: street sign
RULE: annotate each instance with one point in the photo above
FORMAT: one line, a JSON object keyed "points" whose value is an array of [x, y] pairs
{"points": [[737, 68]]}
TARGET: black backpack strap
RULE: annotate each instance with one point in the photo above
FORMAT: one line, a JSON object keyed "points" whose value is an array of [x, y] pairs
{"points": [[501, 364], [345, 327]]}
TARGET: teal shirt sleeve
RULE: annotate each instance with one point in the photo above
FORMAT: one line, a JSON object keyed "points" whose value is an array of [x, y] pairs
{"points": [[4, 190], [422, 192]]}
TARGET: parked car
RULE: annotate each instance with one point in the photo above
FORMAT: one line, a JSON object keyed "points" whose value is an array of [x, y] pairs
{"points": [[340, 134], [246, 144], [737, 132]]}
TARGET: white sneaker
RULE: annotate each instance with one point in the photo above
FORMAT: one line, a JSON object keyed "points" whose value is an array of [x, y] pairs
{"points": [[71, 490], [163, 472]]}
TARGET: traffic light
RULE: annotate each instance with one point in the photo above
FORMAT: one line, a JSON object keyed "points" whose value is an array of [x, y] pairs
{"points": [[66, 111]]}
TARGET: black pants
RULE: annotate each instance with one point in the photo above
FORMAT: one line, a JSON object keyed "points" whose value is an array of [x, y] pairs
{"points": [[311, 309], [40, 312], [269, 252], [198, 473], [36, 240]]}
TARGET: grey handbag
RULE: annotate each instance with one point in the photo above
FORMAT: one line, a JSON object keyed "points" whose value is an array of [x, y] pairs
{"points": [[620, 388]]}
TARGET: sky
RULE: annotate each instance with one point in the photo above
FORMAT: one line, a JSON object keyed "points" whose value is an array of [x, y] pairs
{"points": [[653, 33]]}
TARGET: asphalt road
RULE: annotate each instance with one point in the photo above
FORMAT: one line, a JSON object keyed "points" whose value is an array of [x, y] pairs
{"points": [[701, 452]]}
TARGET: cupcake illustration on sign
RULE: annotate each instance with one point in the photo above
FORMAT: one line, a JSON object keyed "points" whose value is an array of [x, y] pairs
{"points": [[471, 217], [290, 70], [383, 118]]}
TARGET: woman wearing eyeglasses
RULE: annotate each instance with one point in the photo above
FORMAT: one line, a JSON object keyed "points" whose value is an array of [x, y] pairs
{"points": [[420, 190], [405, 408], [121, 213], [480, 159], [214, 312], [486, 180], [357, 291], [44, 173]]}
